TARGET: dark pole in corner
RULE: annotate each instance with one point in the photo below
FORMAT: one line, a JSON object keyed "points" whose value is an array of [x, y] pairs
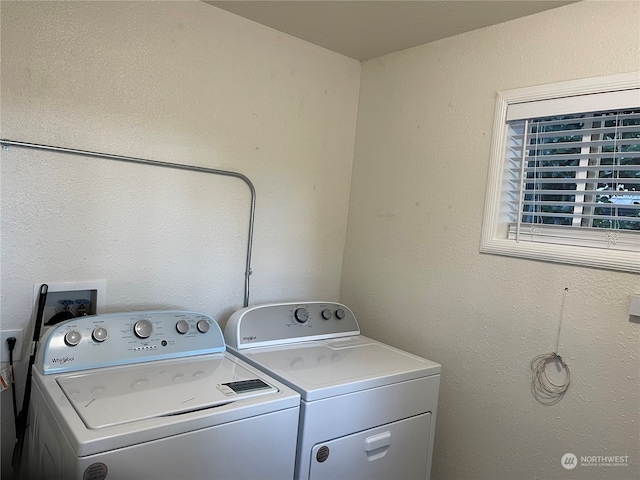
{"points": [[23, 416]]}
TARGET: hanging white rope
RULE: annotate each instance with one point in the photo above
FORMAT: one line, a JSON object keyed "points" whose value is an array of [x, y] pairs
{"points": [[544, 389]]}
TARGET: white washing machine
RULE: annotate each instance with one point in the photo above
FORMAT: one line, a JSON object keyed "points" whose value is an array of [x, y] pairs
{"points": [[367, 411], [155, 395]]}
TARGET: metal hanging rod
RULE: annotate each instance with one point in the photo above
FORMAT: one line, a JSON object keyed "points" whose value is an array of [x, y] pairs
{"points": [[158, 163]]}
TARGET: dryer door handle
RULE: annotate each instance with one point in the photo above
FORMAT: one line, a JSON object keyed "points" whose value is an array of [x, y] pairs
{"points": [[375, 443]]}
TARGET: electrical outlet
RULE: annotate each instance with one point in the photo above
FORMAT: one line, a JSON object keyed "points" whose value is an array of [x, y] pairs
{"points": [[4, 347]]}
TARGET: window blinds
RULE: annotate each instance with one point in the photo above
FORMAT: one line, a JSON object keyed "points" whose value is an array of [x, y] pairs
{"points": [[573, 177]]}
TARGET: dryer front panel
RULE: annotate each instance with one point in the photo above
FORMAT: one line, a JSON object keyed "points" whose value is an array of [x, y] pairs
{"points": [[396, 450]]}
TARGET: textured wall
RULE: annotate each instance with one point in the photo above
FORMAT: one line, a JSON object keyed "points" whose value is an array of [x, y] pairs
{"points": [[181, 82], [414, 277]]}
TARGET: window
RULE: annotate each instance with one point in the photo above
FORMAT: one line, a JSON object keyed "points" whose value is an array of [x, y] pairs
{"points": [[564, 180]]}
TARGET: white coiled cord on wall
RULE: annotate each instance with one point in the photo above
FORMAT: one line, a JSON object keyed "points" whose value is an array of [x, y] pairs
{"points": [[543, 389]]}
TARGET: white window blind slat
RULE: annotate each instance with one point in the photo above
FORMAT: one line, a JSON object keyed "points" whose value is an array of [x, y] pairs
{"points": [[595, 172], [584, 131], [629, 169], [611, 206], [569, 192], [621, 158], [591, 143]]}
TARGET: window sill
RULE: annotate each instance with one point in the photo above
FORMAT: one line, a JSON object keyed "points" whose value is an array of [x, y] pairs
{"points": [[582, 256]]}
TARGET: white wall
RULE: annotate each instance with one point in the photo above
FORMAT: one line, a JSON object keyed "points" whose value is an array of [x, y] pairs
{"points": [[413, 275], [187, 83], [181, 82]]}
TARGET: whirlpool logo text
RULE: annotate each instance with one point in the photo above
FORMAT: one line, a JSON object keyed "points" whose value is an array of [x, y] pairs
{"points": [[62, 360]]}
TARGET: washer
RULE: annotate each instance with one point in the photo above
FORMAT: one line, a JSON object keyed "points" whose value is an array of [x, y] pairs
{"points": [[155, 395], [367, 410]]}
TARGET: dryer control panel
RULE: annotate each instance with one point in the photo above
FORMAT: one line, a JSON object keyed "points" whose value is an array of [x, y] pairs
{"points": [[281, 323], [124, 338]]}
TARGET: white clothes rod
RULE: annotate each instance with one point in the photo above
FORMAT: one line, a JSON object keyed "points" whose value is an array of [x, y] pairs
{"points": [[6, 143]]}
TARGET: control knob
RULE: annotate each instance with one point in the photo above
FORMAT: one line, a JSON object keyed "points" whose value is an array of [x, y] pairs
{"points": [[301, 315], [340, 314], [72, 338], [182, 327], [99, 334], [143, 328], [326, 314], [203, 326]]}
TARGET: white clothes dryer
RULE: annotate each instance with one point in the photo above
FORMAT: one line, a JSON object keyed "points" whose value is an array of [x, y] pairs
{"points": [[155, 395], [367, 411]]}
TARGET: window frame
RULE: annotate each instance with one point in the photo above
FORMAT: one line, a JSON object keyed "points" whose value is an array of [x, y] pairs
{"points": [[494, 238]]}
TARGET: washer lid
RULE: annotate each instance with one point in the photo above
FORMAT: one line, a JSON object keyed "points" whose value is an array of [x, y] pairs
{"points": [[120, 395], [326, 368]]}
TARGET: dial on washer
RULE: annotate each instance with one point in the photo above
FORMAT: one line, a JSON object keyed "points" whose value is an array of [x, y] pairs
{"points": [[99, 334], [72, 338], [182, 327], [143, 329]]}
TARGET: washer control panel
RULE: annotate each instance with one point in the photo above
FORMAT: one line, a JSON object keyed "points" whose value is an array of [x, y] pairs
{"points": [[279, 323], [124, 338]]}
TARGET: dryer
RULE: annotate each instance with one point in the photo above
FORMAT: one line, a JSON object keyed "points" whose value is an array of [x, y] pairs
{"points": [[367, 411], [155, 395]]}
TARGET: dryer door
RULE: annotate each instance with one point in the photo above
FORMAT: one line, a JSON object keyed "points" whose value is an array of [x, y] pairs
{"points": [[395, 450]]}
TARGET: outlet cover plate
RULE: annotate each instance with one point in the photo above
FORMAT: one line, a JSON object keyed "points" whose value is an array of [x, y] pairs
{"points": [[96, 289], [634, 305], [4, 348]]}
